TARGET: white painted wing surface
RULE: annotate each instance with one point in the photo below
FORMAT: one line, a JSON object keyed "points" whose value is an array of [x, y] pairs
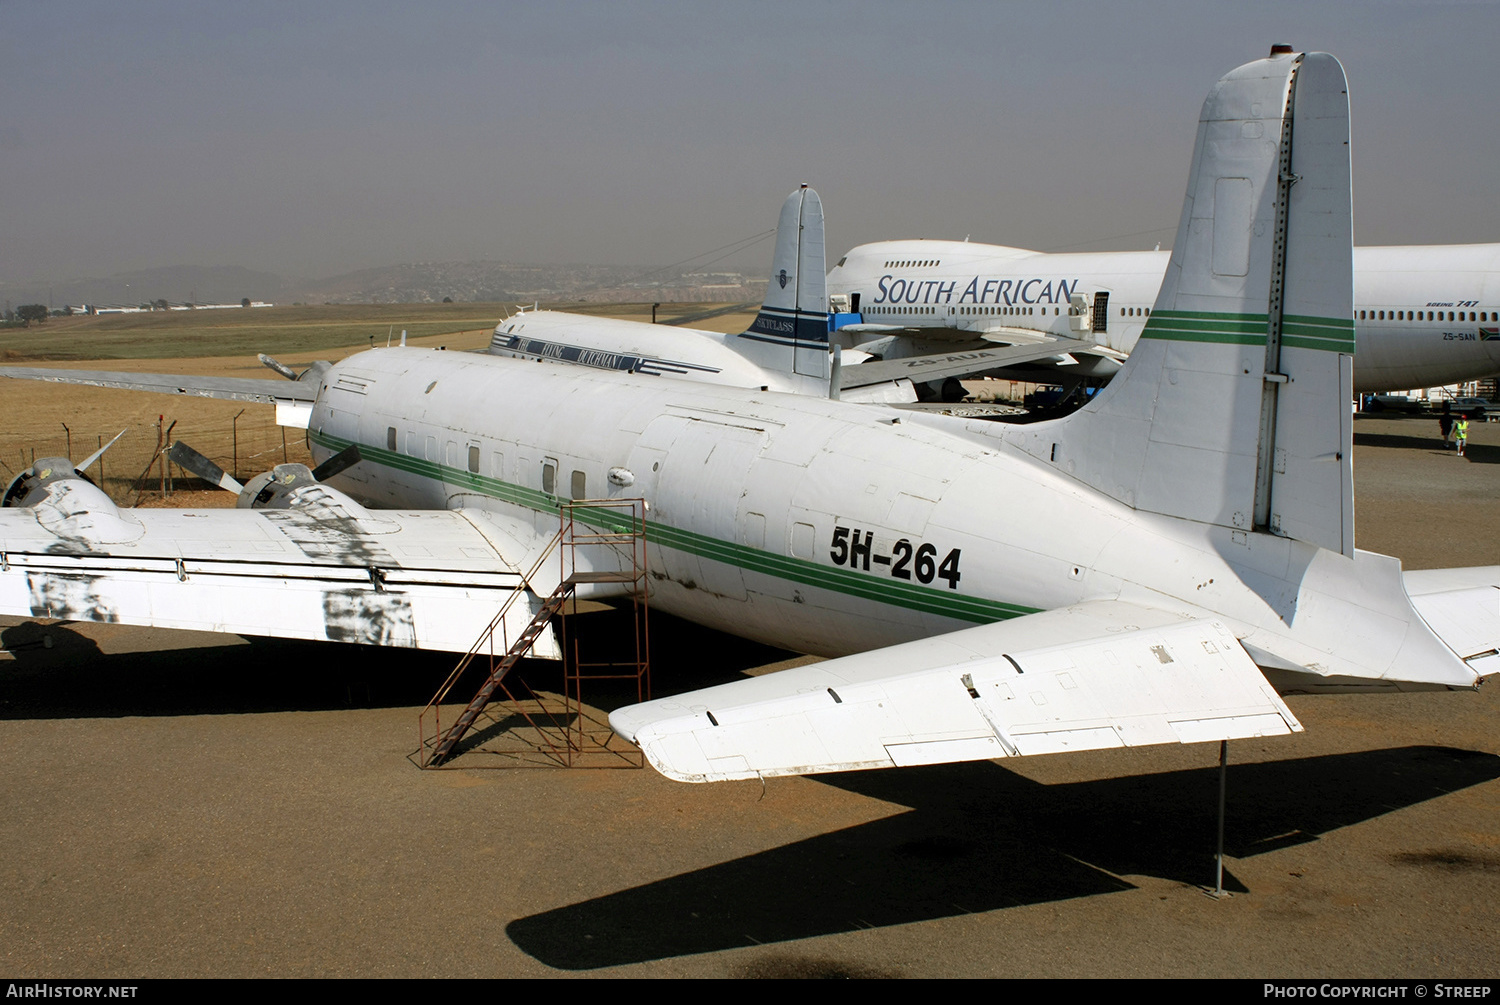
{"points": [[961, 363], [1463, 607], [335, 572], [1121, 676]]}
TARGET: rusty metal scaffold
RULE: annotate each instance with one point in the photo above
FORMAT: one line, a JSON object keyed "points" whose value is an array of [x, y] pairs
{"points": [[526, 728]]}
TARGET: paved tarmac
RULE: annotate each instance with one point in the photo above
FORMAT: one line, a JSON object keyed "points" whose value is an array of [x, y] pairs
{"points": [[199, 805]]}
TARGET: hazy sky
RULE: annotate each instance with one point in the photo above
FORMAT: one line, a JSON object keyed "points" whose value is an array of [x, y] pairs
{"points": [[310, 139]]}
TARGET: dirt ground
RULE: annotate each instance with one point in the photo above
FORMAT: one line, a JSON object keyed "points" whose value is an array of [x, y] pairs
{"points": [[186, 804]]}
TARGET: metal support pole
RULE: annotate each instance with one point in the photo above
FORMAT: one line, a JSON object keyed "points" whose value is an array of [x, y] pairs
{"points": [[1223, 783], [234, 426]]}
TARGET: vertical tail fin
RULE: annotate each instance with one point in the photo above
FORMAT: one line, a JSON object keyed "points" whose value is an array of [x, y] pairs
{"points": [[1234, 407], [790, 333]]}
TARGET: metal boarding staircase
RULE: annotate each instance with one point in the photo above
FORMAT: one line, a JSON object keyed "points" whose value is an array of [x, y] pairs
{"points": [[615, 526]]}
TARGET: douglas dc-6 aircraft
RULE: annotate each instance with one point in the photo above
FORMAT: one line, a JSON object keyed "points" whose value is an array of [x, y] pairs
{"points": [[1130, 574]]}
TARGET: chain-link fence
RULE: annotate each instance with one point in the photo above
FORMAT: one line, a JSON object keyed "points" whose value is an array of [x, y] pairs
{"points": [[136, 470]]}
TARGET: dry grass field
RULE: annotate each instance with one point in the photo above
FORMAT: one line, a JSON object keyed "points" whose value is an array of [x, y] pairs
{"points": [[188, 804], [42, 420]]}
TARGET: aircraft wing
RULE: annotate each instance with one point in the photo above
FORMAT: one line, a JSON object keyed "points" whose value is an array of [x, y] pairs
{"points": [[1028, 336], [953, 364], [1095, 675], [330, 570], [268, 391], [948, 333]]}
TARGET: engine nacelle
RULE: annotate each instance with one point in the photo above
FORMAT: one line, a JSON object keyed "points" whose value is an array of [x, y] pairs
{"points": [[67, 503], [30, 486]]}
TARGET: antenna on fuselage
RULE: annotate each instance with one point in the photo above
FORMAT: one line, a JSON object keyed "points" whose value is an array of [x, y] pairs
{"points": [[403, 337]]}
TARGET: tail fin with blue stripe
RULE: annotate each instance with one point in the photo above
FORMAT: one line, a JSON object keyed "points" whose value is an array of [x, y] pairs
{"points": [[790, 333]]}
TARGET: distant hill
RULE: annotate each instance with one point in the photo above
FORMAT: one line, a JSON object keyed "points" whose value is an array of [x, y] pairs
{"points": [[465, 282], [203, 284], [430, 282], [417, 282]]}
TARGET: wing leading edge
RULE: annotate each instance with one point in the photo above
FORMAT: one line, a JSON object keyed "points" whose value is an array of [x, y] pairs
{"points": [[1093, 676]]}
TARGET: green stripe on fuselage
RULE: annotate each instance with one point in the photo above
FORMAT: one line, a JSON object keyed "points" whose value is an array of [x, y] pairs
{"points": [[912, 596]]}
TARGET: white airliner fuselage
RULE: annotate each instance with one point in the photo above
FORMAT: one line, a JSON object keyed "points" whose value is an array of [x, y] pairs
{"points": [[1424, 315]]}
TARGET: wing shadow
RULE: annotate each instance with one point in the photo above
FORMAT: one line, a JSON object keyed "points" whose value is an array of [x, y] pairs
{"points": [[981, 838]]}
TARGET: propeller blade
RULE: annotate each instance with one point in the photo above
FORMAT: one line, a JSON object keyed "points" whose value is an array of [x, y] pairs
{"points": [[98, 453], [278, 366], [346, 458], [189, 459]]}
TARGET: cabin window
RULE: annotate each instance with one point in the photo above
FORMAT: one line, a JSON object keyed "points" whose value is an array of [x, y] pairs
{"points": [[578, 489], [802, 540], [549, 476], [451, 455], [431, 448], [473, 459], [390, 438], [754, 529], [497, 465]]}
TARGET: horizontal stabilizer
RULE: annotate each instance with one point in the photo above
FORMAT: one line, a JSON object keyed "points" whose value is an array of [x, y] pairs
{"points": [[997, 690], [1463, 607]]}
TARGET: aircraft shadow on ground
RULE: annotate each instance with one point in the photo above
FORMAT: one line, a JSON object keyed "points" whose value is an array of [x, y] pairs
{"points": [[1475, 453], [981, 838], [58, 672]]}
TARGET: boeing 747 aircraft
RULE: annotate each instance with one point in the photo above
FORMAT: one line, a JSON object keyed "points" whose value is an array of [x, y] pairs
{"points": [[1424, 315]]}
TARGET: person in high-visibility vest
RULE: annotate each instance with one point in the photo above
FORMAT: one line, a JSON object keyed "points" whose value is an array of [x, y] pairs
{"points": [[1461, 433]]}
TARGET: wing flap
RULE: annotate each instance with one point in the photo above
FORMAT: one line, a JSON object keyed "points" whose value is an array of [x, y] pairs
{"points": [[1112, 684]]}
